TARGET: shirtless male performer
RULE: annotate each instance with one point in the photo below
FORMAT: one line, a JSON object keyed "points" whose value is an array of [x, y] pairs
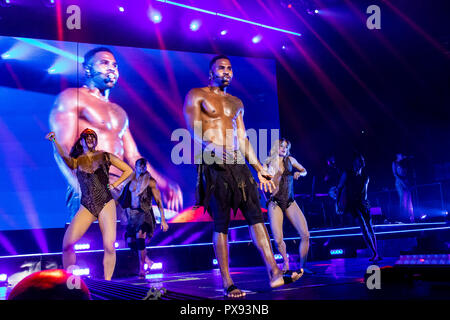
{"points": [[136, 198], [78, 108], [229, 183]]}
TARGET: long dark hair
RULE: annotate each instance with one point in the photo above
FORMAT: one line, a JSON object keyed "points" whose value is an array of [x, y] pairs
{"points": [[77, 149]]}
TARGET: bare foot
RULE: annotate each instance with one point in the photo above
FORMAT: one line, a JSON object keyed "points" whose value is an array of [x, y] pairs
{"points": [[233, 292], [288, 277]]}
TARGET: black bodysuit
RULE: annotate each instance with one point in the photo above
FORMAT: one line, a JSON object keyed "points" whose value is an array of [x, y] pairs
{"points": [[285, 195], [94, 190]]}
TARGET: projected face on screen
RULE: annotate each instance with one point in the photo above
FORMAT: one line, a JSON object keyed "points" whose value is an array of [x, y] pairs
{"points": [[50, 86], [101, 69]]}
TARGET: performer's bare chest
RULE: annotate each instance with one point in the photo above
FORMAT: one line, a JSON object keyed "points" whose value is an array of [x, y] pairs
{"points": [[217, 107], [103, 115]]}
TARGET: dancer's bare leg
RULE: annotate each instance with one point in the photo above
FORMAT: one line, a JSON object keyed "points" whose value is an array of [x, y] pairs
{"points": [[261, 239], [220, 242], [368, 235], [142, 254], [107, 222], [276, 224], [297, 218], [77, 228]]}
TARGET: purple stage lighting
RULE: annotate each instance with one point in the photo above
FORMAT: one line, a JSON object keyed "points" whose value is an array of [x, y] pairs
{"points": [[154, 276], [316, 11], [223, 32], [156, 266], [155, 16], [82, 246], [283, 47], [81, 272], [195, 25], [279, 256], [257, 39], [121, 9]]}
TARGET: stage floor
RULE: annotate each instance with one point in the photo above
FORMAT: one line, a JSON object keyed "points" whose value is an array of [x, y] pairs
{"points": [[336, 279]]}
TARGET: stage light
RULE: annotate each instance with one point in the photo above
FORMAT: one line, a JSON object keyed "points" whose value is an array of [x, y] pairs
{"points": [[218, 14], [61, 66], [116, 245], [312, 12], [195, 25], [81, 272], [289, 6], [423, 217], [279, 256], [257, 39], [121, 9], [49, 3], [223, 32], [30, 43], [154, 276], [5, 3], [19, 51], [154, 15], [145, 266], [3, 277], [337, 252], [215, 262], [283, 47], [156, 266], [82, 246]]}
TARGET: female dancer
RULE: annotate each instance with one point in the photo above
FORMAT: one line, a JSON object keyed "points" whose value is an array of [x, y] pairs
{"points": [[352, 198], [280, 165], [92, 170]]}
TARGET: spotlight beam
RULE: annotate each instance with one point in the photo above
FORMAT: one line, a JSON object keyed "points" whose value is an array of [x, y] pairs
{"points": [[50, 48], [230, 17]]}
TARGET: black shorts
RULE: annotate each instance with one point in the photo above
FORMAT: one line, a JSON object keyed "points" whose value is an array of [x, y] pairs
{"points": [[229, 187]]}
